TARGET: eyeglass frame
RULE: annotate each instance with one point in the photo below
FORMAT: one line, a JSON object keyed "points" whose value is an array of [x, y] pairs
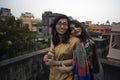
{"points": [[60, 24]]}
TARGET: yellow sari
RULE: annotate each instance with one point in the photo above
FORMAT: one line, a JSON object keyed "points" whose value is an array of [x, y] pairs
{"points": [[63, 52]]}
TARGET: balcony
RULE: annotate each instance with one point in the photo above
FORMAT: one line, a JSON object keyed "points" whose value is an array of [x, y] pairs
{"points": [[31, 67]]}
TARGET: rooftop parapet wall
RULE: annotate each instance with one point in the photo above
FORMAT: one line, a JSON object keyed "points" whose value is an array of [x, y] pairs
{"points": [[31, 67], [25, 67]]}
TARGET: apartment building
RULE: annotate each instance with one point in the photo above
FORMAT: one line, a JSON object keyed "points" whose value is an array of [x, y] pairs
{"points": [[29, 20], [102, 29]]}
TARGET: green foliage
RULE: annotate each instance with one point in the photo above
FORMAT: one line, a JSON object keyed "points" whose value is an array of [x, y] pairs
{"points": [[42, 36], [41, 45], [15, 38]]}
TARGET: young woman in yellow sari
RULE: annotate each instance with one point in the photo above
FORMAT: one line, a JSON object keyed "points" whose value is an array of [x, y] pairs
{"points": [[63, 48]]}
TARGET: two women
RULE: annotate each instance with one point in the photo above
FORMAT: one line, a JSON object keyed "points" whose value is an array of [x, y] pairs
{"points": [[84, 62]]}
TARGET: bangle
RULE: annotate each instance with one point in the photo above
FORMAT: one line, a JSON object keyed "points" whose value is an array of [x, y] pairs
{"points": [[60, 63]]}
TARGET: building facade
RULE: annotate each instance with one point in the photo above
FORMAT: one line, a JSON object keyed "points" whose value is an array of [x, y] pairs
{"points": [[47, 18], [114, 48], [29, 21], [5, 12], [102, 29]]}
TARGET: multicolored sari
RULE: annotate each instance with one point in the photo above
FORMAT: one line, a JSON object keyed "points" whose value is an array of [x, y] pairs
{"points": [[83, 61]]}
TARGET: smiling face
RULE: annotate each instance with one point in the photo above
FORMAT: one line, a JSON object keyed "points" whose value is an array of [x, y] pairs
{"points": [[62, 26], [75, 30]]}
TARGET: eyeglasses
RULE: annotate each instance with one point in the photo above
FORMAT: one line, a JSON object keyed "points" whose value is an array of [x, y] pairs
{"points": [[64, 24]]}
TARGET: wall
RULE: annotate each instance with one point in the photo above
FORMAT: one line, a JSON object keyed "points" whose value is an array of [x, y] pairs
{"points": [[111, 69], [26, 67], [31, 67]]}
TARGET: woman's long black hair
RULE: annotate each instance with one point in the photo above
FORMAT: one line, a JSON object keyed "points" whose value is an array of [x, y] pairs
{"points": [[55, 37], [84, 35]]}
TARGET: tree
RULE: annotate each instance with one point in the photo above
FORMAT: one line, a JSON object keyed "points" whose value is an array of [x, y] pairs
{"points": [[14, 37], [107, 22]]}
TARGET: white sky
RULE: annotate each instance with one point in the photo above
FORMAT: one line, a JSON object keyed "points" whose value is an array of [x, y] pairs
{"points": [[82, 10]]}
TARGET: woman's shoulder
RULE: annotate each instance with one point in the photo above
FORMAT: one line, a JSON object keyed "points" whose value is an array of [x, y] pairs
{"points": [[74, 39], [89, 41]]}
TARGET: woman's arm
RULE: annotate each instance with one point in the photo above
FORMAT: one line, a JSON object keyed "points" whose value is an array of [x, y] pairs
{"points": [[65, 62], [55, 62], [64, 68]]}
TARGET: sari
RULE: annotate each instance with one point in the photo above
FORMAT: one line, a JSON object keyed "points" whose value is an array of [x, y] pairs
{"points": [[63, 52], [85, 61]]}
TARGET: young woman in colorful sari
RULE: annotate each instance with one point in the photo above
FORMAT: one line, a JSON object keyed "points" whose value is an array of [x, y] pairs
{"points": [[85, 60]]}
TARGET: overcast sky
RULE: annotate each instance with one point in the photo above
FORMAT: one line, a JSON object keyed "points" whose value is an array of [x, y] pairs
{"points": [[82, 10]]}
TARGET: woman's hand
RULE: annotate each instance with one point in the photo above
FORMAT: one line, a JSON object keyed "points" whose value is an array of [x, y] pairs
{"points": [[49, 58], [64, 69]]}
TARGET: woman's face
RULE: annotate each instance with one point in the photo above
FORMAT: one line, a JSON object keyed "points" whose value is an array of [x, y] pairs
{"points": [[75, 30], [62, 26]]}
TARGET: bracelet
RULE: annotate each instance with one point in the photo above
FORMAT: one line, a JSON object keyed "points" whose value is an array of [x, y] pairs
{"points": [[60, 63]]}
